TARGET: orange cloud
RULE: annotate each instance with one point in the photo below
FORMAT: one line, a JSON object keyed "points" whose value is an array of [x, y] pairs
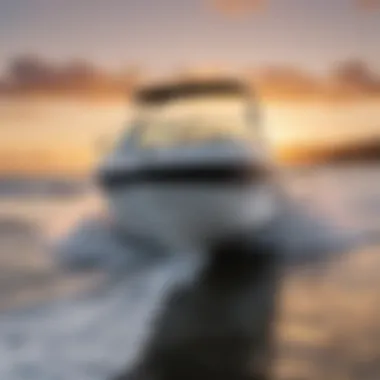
{"points": [[236, 7]]}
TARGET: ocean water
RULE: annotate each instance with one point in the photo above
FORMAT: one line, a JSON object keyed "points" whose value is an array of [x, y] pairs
{"points": [[328, 324]]}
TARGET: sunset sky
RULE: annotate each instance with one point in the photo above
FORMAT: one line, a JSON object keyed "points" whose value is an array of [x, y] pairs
{"points": [[161, 34]]}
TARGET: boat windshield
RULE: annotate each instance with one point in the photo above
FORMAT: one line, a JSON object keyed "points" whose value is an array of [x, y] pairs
{"points": [[196, 120]]}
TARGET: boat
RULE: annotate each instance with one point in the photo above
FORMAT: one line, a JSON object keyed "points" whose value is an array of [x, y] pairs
{"points": [[192, 166]]}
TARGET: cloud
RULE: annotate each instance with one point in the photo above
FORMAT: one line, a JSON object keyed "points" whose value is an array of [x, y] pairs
{"points": [[368, 4], [236, 7]]}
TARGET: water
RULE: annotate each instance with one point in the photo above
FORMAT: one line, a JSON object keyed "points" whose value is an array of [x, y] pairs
{"points": [[328, 325]]}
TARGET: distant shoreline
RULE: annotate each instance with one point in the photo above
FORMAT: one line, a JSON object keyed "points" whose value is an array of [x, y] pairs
{"points": [[363, 152], [265, 97]]}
